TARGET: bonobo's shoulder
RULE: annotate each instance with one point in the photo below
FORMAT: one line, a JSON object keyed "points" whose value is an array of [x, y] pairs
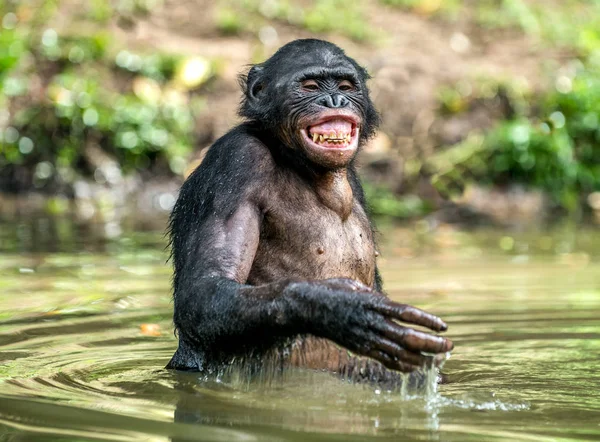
{"points": [[240, 149], [238, 164]]}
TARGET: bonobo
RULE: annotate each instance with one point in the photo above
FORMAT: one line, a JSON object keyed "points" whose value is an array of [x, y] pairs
{"points": [[271, 243]]}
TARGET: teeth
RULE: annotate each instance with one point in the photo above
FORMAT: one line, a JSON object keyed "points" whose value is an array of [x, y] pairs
{"points": [[334, 138]]}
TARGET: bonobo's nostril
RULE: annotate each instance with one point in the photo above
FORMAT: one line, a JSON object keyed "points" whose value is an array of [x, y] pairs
{"points": [[339, 100], [333, 101], [325, 100]]}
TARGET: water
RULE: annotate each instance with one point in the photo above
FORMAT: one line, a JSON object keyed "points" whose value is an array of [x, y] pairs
{"points": [[85, 329]]}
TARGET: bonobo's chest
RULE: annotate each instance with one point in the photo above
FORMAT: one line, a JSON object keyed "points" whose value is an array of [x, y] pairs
{"points": [[303, 238]]}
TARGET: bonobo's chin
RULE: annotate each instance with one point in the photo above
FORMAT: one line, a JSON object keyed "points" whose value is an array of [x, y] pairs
{"points": [[330, 138]]}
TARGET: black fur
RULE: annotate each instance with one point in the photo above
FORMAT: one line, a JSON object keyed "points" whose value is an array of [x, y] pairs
{"points": [[270, 245]]}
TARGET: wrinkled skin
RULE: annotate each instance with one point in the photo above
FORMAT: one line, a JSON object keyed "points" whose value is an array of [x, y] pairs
{"points": [[271, 242]]}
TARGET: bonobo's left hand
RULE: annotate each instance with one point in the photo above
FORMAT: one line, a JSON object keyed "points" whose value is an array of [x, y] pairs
{"points": [[363, 321]]}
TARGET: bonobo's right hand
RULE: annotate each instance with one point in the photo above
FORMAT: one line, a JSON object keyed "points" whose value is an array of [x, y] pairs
{"points": [[363, 321]]}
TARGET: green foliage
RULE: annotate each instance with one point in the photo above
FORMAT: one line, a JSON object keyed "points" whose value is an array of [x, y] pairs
{"points": [[516, 95], [61, 94], [337, 16], [136, 130], [403, 3], [12, 48], [228, 21], [159, 67], [384, 202], [72, 49], [136, 6], [550, 142], [573, 23], [318, 16], [559, 151]]}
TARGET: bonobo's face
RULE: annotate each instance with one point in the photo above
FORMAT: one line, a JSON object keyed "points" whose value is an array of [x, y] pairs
{"points": [[314, 98], [328, 122]]}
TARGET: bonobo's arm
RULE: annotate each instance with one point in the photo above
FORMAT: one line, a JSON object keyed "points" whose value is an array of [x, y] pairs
{"points": [[214, 312], [218, 317]]}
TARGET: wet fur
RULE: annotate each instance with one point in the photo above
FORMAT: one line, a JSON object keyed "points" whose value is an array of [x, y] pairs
{"points": [[273, 250]]}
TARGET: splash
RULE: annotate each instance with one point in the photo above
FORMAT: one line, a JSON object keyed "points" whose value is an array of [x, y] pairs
{"points": [[280, 366]]}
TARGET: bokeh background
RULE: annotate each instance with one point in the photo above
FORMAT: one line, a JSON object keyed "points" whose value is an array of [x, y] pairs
{"points": [[491, 109], [484, 182]]}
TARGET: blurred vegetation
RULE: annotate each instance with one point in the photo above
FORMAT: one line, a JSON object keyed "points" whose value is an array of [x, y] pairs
{"points": [[570, 23], [318, 16], [550, 142], [69, 92], [384, 202], [63, 94]]}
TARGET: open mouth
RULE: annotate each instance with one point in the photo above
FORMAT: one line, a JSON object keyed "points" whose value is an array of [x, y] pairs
{"points": [[333, 133]]}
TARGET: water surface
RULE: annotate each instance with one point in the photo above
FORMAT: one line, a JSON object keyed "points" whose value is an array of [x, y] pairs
{"points": [[85, 329]]}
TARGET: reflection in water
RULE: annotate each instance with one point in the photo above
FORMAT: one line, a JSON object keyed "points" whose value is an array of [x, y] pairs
{"points": [[261, 382], [84, 337]]}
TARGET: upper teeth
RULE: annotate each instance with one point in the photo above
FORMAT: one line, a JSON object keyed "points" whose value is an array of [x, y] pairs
{"points": [[334, 137]]}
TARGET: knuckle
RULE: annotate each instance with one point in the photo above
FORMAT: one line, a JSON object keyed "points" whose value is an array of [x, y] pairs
{"points": [[404, 333], [377, 300]]}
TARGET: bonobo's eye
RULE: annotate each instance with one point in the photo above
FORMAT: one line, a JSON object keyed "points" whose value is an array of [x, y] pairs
{"points": [[346, 86], [310, 85]]}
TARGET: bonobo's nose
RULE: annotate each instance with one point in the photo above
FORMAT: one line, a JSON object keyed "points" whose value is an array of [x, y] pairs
{"points": [[334, 101]]}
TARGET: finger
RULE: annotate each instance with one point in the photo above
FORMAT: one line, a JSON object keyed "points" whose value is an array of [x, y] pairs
{"points": [[397, 352], [414, 340], [411, 315], [346, 284], [391, 363]]}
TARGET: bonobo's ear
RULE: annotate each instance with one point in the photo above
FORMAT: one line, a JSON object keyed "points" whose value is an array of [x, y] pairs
{"points": [[254, 83]]}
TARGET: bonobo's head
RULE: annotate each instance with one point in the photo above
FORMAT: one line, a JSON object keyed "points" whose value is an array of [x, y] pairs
{"points": [[314, 99]]}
